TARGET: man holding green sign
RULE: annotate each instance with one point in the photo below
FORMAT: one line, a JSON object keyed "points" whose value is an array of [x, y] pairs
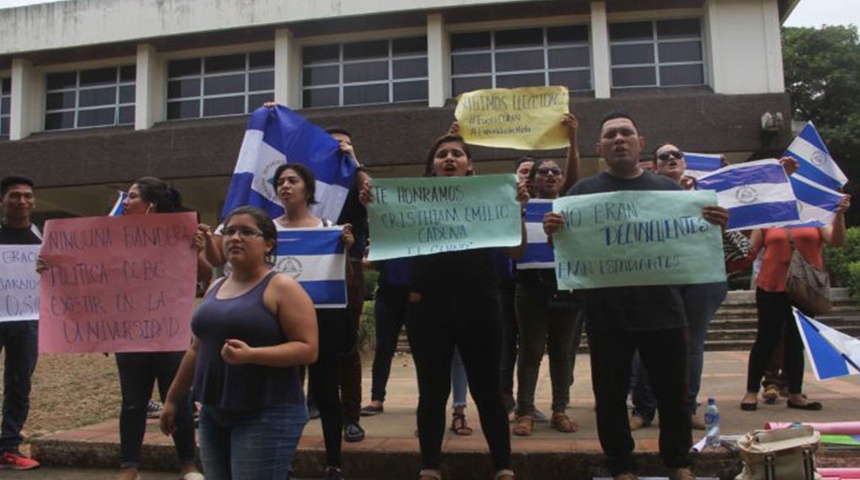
{"points": [[645, 314]]}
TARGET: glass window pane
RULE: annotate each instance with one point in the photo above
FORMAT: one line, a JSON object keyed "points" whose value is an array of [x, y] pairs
{"points": [[630, 31], [463, 85], [57, 81], [473, 63], [360, 50], [320, 54], [60, 100], [95, 118], [632, 54], [224, 84], [4, 126], [680, 51], [410, 68], [321, 75], [223, 106], [365, 94], [101, 76], [224, 63], [5, 104], [256, 101], [60, 120], [262, 59], [530, 37], [126, 94], [634, 77], [519, 61], [524, 80], [409, 46], [410, 91], [6, 85], [682, 75], [564, 35], [261, 81], [183, 88], [181, 68], [321, 97], [128, 73], [579, 80], [678, 28], [185, 109], [569, 57], [126, 115], [97, 96], [365, 72], [470, 41]]}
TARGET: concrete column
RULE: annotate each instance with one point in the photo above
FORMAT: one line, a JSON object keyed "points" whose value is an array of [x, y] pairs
{"points": [[150, 88], [438, 61], [601, 69], [773, 46], [711, 33], [288, 69], [27, 105]]}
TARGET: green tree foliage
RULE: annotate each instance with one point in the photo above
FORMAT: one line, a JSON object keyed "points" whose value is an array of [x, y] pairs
{"points": [[822, 74]]}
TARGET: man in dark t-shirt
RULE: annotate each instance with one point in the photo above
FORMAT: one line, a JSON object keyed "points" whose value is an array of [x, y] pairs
{"points": [[19, 338], [621, 320]]}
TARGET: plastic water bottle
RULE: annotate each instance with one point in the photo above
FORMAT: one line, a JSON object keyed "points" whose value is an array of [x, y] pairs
{"points": [[712, 424]]}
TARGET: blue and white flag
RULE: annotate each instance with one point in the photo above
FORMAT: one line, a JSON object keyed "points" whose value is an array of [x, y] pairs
{"points": [[815, 162], [118, 208], [831, 352], [817, 204], [315, 258], [277, 135], [538, 253], [757, 194], [700, 164]]}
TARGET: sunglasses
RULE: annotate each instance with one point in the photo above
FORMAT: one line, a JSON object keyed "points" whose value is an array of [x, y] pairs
{"points": [[664, 157], [547, 170]]}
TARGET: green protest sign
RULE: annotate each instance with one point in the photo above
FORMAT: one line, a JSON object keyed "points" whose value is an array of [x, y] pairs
{"points": [[421, 216], [637, 238]]}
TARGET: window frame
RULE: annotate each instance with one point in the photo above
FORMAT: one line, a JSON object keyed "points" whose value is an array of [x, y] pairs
{"points": [[7, 115], [117, 105]]}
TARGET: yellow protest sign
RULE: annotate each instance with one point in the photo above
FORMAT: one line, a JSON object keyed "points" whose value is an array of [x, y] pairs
{"points": [[519, 118]]}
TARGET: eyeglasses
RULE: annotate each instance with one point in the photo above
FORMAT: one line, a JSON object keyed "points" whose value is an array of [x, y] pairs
{"points": [[664, 157], [547, 170], [243, 232]]}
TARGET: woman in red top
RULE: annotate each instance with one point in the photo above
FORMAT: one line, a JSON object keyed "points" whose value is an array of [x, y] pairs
{"points": [[774, 308]]}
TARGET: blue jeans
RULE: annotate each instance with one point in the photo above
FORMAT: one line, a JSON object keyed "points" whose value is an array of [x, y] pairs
{"points": [[258, 445], [390, 313], [20, 338]]}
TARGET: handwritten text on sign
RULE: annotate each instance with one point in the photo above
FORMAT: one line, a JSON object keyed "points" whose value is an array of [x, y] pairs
{"points": [[637, 238], [421, 216], [520, 118], [118, 284], [19, 283]]}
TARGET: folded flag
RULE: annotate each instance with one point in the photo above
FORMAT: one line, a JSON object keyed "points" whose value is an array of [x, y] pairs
{"points": [[277, 135], [699, 164], [118, 208], [757, 194], [315, 258], [817, 204], [831, 353], [538, 253], [814, 161]]}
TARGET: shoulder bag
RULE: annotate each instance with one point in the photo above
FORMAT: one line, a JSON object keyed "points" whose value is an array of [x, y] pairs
{"points": [[783, 454], [807, 286]]}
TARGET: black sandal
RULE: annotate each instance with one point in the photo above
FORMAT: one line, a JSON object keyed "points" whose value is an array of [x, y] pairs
{"points": [[459, 425]]}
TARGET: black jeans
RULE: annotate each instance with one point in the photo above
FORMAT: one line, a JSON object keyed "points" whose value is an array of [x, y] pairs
{"points": [[775, 323], [350, 363], [390, 313], [469, 321], [664, 355], [21, 339], [137, 373], [510, 335]]}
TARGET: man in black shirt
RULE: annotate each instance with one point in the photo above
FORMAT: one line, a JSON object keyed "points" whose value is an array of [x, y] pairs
{"points": [[19, 338], [621, 320]]}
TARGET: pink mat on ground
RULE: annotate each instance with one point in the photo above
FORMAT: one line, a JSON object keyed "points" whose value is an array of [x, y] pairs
{"points": [[839, 472], [834, 428]]}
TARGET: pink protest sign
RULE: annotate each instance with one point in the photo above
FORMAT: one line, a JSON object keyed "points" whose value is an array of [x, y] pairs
{"points": [[118, 284]]}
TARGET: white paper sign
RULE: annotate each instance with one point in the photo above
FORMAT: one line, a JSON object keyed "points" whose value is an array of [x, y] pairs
{"points": [[19, 283]]}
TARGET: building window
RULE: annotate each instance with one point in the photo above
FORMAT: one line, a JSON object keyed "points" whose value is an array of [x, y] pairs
{"points": [[365, 73], [663, 53], [220, 85], [90, 98], [5, 105], [528, 57]]}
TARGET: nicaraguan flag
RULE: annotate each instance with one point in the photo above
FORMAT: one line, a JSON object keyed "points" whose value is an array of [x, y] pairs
{"points": [[757, 194], [277, 135], [817, 204], [831, 353], [815, 162], [117, 208], [700, 164], [315, 258], [538, 253]]}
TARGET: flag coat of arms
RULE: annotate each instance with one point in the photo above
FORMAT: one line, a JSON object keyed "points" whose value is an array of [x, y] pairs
{"points": [[277, 135], [814, 160], [315, 257], [831, 352], [538, 253], [701, 164], [757, 194]]}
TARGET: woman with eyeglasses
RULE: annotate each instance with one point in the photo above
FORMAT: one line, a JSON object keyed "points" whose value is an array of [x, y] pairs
{"points": [[547, 320], [252, 331]]}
